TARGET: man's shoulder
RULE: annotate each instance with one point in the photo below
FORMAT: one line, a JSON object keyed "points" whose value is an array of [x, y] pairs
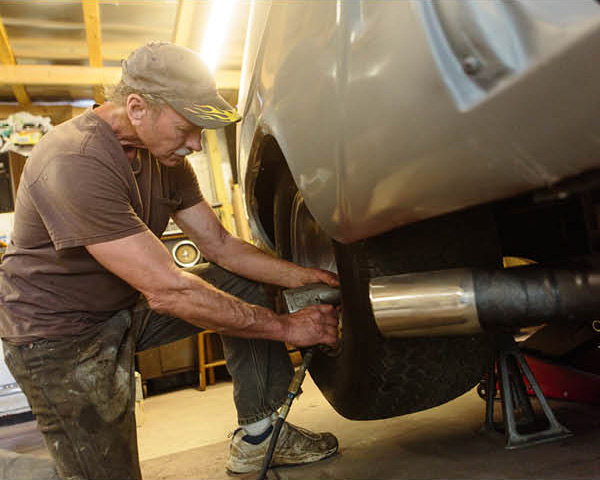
{"points": [[83, 134], [81, 138]]}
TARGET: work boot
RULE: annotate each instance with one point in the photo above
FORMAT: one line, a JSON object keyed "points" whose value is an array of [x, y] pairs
{"points": [[295, 446]]}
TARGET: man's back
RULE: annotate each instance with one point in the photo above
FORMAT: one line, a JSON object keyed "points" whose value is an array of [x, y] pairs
{"points": [[78, 188]]}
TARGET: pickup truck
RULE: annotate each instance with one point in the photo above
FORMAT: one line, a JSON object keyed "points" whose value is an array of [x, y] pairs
{"points": [[418, 148]]}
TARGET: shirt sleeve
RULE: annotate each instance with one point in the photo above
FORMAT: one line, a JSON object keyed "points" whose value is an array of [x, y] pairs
{"points": [[187, 185], [83, 201]]}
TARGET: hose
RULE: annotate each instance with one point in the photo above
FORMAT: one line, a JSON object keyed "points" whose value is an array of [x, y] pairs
{"points": [[293, 390]]}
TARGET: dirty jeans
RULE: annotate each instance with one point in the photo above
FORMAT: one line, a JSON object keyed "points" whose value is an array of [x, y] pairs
{"points": [[82, 389]]}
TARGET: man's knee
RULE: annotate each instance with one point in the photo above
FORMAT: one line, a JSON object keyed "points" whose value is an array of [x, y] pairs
{"points": [[240, 287]]}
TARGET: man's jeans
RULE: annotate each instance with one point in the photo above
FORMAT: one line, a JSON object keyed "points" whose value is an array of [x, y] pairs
{"points": [[82, 389]]}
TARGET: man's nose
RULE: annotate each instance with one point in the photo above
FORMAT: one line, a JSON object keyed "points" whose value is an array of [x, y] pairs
{"points": [[194, 140]]}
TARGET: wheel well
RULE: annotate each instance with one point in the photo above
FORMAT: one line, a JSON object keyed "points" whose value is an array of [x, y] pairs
{"points": [[550, 231], [272, 165]]}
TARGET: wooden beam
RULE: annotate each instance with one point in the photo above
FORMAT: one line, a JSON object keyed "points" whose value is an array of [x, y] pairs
{"points": [[91, 17], [8, 58], [6, 55], [216, 168], [113, 27], [74, 75], [140, 3], [184, 22], [58, 75], [49, 48]]}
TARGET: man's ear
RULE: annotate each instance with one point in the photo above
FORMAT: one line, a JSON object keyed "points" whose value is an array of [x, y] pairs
{"points": [[137, 109]]}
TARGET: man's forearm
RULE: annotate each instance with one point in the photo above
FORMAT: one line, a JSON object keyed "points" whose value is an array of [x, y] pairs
{"points": [[219, 246], [248, 261], [197, 302]]}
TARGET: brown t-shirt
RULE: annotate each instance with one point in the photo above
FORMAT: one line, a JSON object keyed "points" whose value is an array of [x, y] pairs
{"points": [[78, 188]]}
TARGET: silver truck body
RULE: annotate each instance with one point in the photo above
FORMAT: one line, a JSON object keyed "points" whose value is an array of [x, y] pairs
{"points": [[391, 112]]}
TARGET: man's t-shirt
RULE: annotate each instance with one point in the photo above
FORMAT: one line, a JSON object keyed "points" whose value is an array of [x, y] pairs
{"points": [[78, 188]]}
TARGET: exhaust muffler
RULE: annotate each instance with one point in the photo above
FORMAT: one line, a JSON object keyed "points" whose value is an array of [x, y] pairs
{"points": [[465, 301]]}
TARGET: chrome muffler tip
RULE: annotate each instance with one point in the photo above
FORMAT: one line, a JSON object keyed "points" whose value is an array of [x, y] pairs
{"points": [[425, 304]]}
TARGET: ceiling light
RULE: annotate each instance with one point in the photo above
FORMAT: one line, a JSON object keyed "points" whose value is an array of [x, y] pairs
{"points": [[217, 27]]}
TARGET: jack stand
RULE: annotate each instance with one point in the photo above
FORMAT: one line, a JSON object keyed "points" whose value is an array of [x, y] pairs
{"points": [[511, 366]]}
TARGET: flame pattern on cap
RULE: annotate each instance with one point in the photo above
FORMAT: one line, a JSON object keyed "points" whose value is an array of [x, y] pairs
{"points": [[209, 112]]}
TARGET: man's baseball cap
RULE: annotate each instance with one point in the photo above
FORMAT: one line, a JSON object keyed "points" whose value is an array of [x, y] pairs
{"points": [[178, 76]]}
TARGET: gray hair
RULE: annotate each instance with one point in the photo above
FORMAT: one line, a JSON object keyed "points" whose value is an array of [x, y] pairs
{"points": [[118, 94]]}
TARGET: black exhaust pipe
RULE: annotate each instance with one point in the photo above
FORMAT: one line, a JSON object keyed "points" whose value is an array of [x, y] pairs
{"points": [[532, 295]]}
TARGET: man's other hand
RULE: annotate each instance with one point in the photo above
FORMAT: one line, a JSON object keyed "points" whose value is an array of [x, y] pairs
{"points": [[317, 275], [317, 324]]}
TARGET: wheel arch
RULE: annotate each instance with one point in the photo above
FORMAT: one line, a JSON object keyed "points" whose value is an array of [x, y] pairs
{"points": [[268, 165]]}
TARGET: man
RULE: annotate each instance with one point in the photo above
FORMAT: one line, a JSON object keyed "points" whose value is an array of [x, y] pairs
{"points": [[94, 198]]}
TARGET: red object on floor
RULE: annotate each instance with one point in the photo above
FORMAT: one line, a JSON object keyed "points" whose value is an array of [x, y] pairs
{"points": [[566, 383]]}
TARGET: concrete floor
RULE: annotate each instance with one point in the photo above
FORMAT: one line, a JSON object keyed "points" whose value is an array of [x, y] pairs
{"points": [[183, 435]]}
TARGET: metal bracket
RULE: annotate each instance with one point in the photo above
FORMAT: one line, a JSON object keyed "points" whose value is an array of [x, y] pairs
{"points": [[510, 366]]}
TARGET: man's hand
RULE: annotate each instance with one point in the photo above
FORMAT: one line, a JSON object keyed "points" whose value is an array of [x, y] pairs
{"points": [[317, 275], [313, 325]]}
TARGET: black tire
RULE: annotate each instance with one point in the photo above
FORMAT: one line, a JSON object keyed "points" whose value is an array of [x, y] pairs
{"points": [[371, 377]]}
